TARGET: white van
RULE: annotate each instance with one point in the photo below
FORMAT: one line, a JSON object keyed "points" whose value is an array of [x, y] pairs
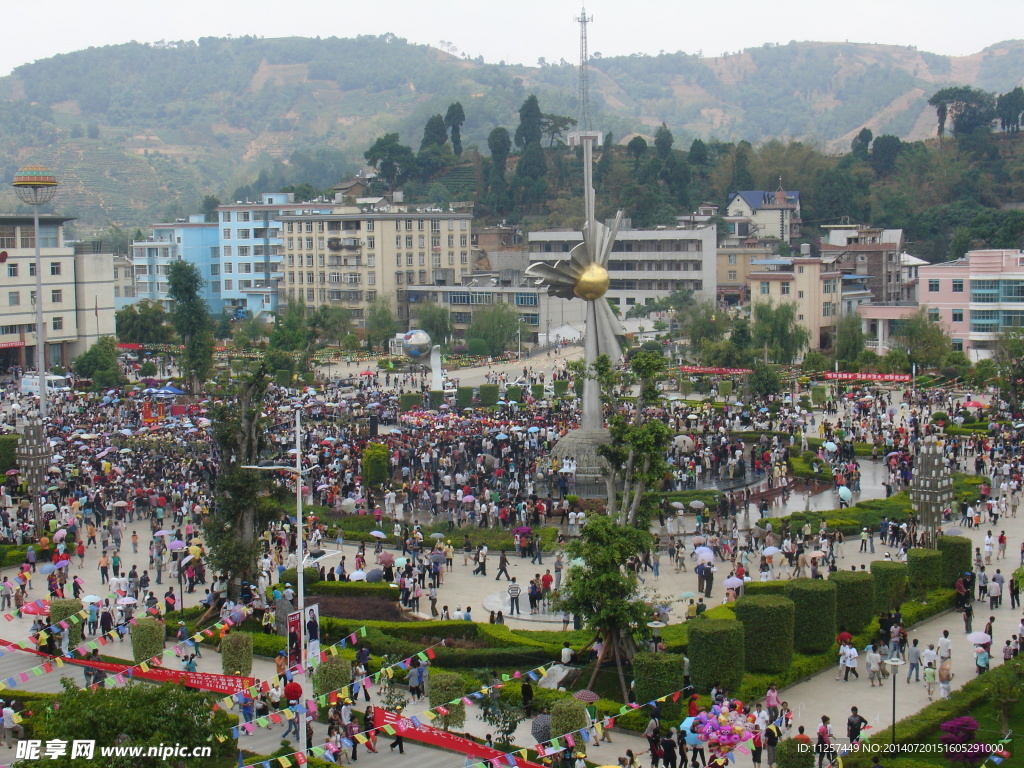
{"points": [[30, 384]]}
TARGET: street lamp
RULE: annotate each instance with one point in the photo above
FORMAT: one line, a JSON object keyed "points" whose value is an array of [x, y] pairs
{"points": [[36, 185], [894, 668]]}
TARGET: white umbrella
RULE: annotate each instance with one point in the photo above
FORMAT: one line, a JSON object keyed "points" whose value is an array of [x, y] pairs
{"points": [[359, 575], [733, 582], [126, 601], [770, 551], [678, 505], [697, 504], [704, 553], [979, 638]]}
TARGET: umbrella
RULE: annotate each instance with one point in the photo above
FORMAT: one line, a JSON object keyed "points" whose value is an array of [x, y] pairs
{"points": [[400, 562], [126, 601], [359, 575], [386, 558], [697, 504], [830, 446], [733, 582], [54, 470], [738, 404], [845, 493], [49, 508], [62, 564], [699, 540], [817, 553], [586, 696], [953, 532], [541, 728], [59, 535], [770, 551], [437, 535], [366, 373], [12, 472], [378, 534], [684, 442], [704, 552], [979, 638], [693, 417], [120, 503], [764, 410], [973, 404], [110, 548], [946, 671], [91, 599], [162, 532], [501, 436], [125, 450], [533, 430], [438, 557], [175, 545], [469, 498], [375, 575], [686, 595], [678, 505], [47, 568], [187, 559]]}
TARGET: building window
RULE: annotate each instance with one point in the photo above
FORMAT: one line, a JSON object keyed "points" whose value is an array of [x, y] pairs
{"points": [[958, 315], [732, 274], [243, 251], [58, 323], [399, 277], [7, 238], [958, 286], [526, 299], [933, 286], [785, 289], [371, 241], [229, 285], [371, 278], [12, 270], [57, 296], [54, 267], [463, 257], [226, 234], [31, 269], [225, 216], [228, 268], [369, 225], [799, 294], [408, 259], [933, 315], [958, 345], [227, 251], [14, 299], [766, 288]]}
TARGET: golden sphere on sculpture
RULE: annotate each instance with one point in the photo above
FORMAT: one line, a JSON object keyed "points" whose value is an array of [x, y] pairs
{"points": [[592, 283]]}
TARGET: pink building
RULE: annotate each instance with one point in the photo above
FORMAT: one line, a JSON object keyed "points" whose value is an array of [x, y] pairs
{"points": [[975, 298]]}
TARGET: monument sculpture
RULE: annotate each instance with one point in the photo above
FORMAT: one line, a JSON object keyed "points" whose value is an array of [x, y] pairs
{"points": [[419, 347]]}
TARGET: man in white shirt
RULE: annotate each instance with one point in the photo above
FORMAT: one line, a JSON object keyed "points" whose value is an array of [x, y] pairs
{"points": [[945, 646]]}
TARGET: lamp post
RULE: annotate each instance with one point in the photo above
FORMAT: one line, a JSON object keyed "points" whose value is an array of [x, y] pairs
{"points": [[36, 185], [894, 668]]}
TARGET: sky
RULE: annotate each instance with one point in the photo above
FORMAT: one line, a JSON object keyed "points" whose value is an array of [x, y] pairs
{"points": [[517, 32]]}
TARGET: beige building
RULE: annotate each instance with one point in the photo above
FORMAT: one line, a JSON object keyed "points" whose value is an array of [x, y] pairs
{"points": [[813, 285], [351, 255], [78, 297], [734, 268], [774, 215]]}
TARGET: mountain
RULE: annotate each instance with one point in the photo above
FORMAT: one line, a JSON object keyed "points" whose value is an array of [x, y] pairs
{"points": [[141, 131]]}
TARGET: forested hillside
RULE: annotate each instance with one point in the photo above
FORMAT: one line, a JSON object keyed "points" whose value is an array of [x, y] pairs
{"points": [[140, 131]]}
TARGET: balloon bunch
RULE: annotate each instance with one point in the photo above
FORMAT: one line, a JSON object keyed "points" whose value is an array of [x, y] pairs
{"points": [[724, 728]]}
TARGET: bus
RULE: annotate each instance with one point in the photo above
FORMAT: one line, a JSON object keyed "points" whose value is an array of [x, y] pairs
{"points": [[30, 384]]}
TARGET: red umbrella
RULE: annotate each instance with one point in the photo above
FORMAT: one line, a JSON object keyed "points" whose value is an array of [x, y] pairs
{"points": [[366, 373]]}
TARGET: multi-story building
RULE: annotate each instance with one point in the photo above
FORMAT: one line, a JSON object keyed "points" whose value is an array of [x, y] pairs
{"points": [[349, 255], [869, 252], [976, 298], [77, 300], [645, 264], [811, 284], [775, 215], [735, 263], [194, 240]]}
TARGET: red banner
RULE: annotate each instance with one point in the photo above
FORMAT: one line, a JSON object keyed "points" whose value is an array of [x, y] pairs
{"points": [[868, 376], [204, 681], [714, 371], [9, 344], [147, 413], [130, 346], [447, 741]]}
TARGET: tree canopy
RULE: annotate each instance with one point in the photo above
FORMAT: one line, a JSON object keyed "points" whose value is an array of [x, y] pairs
{"points": [[191, 320]]}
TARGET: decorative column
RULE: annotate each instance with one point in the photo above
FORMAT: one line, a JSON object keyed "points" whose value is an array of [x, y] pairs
{"points": [[33, 455], [931, 490]]}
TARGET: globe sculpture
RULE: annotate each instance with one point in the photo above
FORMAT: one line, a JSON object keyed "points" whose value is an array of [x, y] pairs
{"points": [[417, 345]]}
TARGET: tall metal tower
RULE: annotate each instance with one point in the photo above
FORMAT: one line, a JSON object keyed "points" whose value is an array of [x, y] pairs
{"points": [[583, 117]]}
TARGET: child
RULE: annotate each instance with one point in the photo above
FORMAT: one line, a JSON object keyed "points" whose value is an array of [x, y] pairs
{"points": [[929, 678]]}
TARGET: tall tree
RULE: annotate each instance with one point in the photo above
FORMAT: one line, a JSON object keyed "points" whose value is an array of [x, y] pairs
{"points": [[1010, 110], [884, 152], [143, 323], [777, 333], [969, 108], [924, 340], [849, 338], [497, 325], [741, 176], [861, 144], [191, 320], [636, 148], [435, 133], [1009, 361], [698, 155], [436, 320], [453, 120], [663, 141], [704, 320], [500, 144], [394, 161], [529, 129], [553, 126], [380, 322], [530, 183], [209, 206]]}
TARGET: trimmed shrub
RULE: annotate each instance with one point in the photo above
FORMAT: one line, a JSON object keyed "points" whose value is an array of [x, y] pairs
{"points": [[568, 715], [331, 675], [814, 624], [890, 584], [768, 622], [537, 390], [514, 393], [268, 645], [8, 452], [283, 378], [147, 639], [236, 653], [656, 675], [60, 610], [447, 690], [436, 399], [561, 387], [464, 397], [410, 401], [956, 557], [792, 754], [764, 588], [488, 394], [716, 653], [924, 570], [855, 599], [477, 348], [291, 576], [361, 589]]}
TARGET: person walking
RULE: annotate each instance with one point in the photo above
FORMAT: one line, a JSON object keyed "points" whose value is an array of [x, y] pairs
{"points": [[503, 567], [824, 744], [914, 662], [854, 725], [851, 663]]}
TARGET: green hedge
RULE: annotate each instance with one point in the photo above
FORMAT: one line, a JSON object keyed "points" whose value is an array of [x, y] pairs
{"points": [[656, 675], [60, 610], [568, 715], [815, 614], [537, 390], [802, 465], [268, 645], [436, 399], [924, 570], [890, 584], [855, 599], [8, 453], [768, 622], [488, 395], [331, 675], [764, 588], [792, 754], [514, 392], [410, 401], [236, 653], [291, 576], [380, 590], [560, 387], [446, 688], [956, 557], [147, 639], [717, 649], [464, 397]]}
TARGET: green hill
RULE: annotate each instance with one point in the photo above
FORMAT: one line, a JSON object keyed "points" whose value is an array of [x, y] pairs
{"points": [[138, 131]]}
